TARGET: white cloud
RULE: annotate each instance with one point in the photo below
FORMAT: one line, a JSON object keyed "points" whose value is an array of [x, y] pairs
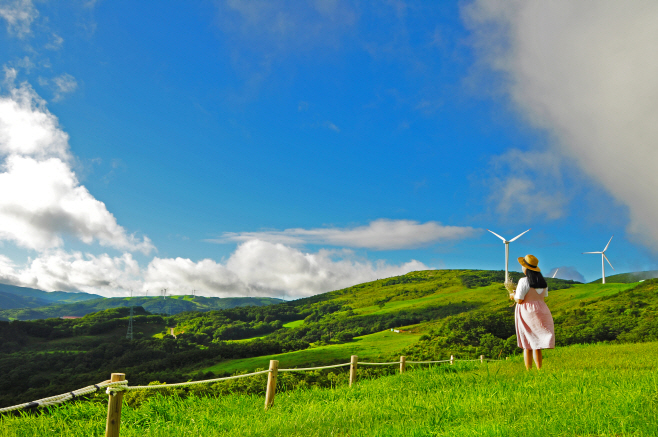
{"points": [[587, 72], [181, 274], [19, 15], [380, 234], [260, 268], [283, 25], [64, 84], [42, 199], [256, 268], [27, 128], [55, 42], [59, 270], [528, 185], [333, 127], [60, 85]]}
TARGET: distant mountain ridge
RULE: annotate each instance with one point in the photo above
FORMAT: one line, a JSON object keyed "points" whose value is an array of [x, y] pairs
{"points": [[12, 297], [31, 307]]}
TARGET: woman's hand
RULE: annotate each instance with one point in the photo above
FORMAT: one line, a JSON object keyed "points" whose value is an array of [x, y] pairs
{"points": [[511, 296]]}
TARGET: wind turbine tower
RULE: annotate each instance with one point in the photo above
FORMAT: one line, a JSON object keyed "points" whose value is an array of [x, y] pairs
{"points": [[507, 250], [603, 259]]}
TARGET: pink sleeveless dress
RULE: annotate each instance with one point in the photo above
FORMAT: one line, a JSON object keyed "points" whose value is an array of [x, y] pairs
{"points": [[534, 322]]}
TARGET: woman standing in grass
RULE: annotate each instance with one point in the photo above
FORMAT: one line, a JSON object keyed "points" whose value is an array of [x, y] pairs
{"points": [[533, 319]]}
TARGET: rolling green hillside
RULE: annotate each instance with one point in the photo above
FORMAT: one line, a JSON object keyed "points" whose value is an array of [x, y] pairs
{"points": [[156, 305], [461, 312], [453, 319], [626, 278]]}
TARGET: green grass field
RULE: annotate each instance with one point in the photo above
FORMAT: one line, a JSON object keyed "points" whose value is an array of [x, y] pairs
{"points": [[593, 390], [294, 324], [367, 347]]}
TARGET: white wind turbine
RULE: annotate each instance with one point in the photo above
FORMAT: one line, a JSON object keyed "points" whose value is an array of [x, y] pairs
{"points": [[603, 257], [555, 273], [507, 251]]}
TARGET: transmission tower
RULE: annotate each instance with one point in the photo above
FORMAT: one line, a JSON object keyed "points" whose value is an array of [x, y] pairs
{"points": [[129, 335]]}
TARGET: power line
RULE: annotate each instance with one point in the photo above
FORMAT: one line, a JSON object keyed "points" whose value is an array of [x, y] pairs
{"points": [[129, 335]]}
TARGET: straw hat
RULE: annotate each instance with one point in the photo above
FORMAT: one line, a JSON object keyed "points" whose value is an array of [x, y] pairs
{"points": [[530, 262]]}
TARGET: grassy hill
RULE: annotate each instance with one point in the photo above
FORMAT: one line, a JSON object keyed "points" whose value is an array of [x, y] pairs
{"points": [[626, 278], [581, 391], [156, 305], [450, 318], [460, 312]]}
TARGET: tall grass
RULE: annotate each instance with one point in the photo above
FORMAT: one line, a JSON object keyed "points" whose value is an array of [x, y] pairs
{"points": [[581, 391]]}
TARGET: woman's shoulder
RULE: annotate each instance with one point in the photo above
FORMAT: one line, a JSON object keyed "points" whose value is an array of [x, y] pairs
{"points": [[522, 284]]}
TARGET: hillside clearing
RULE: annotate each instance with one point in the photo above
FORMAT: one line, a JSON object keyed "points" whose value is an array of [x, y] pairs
{"points": [[366, 347]]}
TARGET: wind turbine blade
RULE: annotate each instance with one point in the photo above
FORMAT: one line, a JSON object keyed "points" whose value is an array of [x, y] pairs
{"points": [[513, 239], [504, 241], [606, 258], [606, 246], [592, 252], [555, 273]]}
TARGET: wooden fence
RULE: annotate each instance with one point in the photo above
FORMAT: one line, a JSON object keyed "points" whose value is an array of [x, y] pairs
{"points": [[117, 385]]}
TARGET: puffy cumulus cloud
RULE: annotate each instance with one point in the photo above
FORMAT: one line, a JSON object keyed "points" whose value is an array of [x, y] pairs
{"points": [[256, 268], [59, 270], [380, 234], [587, 72], [275, 269], [42, 199], [26, 127], [566, 272], [262, 268], [19, 15], [207, 276]]}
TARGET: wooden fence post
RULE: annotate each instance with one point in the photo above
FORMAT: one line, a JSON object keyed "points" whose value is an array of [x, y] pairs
{"points": [[271, 383], [482, 358], [353, 362], [403, 364], [114, 409], [452, 360]]}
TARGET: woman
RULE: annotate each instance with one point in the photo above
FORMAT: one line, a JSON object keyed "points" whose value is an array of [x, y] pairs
{"points": [[533, 319]]}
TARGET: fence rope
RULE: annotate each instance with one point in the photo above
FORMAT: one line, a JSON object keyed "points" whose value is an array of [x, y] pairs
{"points": [[58, 399], [112, 390], [314, 368], [447, 361], [118, 386]]}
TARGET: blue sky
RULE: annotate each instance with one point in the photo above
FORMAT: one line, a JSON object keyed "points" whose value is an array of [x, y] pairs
{"points": [[288, 148]]}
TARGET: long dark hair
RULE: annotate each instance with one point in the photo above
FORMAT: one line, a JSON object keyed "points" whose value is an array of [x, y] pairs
{"points": [[535, 279]]}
